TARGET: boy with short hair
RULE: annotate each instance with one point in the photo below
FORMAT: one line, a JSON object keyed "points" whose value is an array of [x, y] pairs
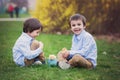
{"points": [[27, 50], [83, 52]]}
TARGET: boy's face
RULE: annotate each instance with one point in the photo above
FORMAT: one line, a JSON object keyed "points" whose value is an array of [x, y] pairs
{"points": [[77, 26], [35, 33]]}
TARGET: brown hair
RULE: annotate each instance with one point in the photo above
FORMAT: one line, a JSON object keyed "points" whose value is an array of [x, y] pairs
{"points": [[31, 24], [77, 17]]}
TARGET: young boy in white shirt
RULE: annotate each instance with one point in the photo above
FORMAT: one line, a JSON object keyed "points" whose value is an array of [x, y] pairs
{"points": [[27, 50], [83, 52]]}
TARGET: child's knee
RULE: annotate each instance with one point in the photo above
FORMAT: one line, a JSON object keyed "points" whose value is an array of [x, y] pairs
{"points": [[76, 58], [42, 55]]}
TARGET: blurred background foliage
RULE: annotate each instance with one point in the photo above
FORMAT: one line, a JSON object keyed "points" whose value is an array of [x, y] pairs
{"points": [[103, 16]]}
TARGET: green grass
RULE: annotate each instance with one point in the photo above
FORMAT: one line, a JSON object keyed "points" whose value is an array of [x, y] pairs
{"points": [[108, 64], [6, 15]]}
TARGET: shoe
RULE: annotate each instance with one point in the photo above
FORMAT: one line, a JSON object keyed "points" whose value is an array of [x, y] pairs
{"points": [[37, 63], [63, 65]]}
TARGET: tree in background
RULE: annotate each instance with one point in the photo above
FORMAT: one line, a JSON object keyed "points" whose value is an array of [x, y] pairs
{"points": [[102, 15], [54, 14]]}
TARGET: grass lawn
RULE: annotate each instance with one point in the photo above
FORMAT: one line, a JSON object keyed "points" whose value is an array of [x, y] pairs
{"points": [[108, 58], [6, 15]]}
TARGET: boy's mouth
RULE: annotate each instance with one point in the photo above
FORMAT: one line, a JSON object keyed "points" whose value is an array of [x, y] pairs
{"points": [[77, 30]]}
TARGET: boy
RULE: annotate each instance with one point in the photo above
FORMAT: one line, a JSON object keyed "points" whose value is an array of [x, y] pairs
{"points": [[27, 50], [83, 52]]}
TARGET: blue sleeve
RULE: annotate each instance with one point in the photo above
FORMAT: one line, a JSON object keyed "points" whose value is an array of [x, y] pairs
{"points": [[29, 54], [70, 56], [86, 44]]}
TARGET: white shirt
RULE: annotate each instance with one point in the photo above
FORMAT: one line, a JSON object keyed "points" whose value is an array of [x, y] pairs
{"points": [[85, 45], [21, 49]]}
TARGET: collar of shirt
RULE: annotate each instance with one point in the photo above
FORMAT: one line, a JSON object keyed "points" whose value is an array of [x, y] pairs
{"points": [[78, 37], [27, 36]]}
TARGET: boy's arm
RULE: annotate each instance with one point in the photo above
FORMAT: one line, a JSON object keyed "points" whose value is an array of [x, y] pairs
{"points": [[40, 45], [28, 53], [87, 47]]}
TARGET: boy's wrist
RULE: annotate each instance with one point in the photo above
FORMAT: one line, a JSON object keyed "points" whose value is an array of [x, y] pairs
{"points": [[40, 45]]}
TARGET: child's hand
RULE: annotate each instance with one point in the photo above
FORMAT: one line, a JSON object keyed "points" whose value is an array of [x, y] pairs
{"points": [[40, 45], [66, 54]]}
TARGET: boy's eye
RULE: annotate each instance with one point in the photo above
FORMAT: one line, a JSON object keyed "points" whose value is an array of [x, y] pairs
{"points": [[78, 24], [73, 24], [38, 32]]}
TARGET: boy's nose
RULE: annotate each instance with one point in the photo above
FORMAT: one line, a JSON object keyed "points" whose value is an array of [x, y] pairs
{"points": [[76, 26]]}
